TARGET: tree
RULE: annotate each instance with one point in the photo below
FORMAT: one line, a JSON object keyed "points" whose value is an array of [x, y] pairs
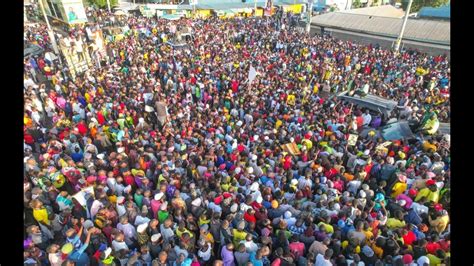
{"points": [[103, 3], [356, 4], [418, 4]]}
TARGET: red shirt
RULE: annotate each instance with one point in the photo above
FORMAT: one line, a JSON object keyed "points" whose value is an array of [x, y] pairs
{"points": [[100, 118], [29, 139], [432, 247], [81, 127], [250, 218], [297, 248], [409, 238]]}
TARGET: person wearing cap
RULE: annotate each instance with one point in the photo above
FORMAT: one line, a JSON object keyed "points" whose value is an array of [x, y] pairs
{"points": [[430, 192]]}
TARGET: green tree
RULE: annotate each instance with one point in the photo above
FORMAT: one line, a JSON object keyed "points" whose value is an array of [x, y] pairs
{"points": [[103, 3], [418, 4], [356, 4]]}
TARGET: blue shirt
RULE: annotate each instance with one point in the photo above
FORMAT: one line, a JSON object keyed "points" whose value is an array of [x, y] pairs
{"points": [[79, 256], [254, 261], [77, 157]]}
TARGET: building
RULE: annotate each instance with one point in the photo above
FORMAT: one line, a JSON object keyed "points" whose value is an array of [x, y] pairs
{"points": [[443, 12], [367, 25]]}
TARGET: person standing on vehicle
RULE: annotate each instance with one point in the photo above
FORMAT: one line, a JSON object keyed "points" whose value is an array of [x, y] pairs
{"points": [[367, 118]]}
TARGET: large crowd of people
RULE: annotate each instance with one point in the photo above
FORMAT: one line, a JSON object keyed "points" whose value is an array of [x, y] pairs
{"points": [[168, 154]]}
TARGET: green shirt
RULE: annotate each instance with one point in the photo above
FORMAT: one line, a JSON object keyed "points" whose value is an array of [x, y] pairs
{"points": [[162, 216]]}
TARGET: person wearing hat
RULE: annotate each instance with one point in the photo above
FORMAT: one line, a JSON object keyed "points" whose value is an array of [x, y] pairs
{"points": [[155, 245], [430, 192], [142, 235]]}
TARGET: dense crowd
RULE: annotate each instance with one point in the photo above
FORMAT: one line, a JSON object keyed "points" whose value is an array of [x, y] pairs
{"points": [[169, 155]]}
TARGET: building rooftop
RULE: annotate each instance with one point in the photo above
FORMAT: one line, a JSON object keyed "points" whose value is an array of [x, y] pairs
{"points": [[422, 30], [379, 11]]}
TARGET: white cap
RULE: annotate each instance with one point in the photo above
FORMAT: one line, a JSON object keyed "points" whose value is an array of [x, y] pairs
{"points": [[234, 207], [196, 202], [294, 182], [362, 194], [237, 170], [120, 199], [254, 157], [107, 252], [239, 123], [259, 199], [158, 196], [142, 227], [155, 237], [402, 202], [255, 137], [254, 186], [121, 149], [164, 205], [250, 170]]}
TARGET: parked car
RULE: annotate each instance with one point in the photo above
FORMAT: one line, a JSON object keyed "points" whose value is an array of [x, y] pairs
{"points": [[374, 103], [32, 50]]}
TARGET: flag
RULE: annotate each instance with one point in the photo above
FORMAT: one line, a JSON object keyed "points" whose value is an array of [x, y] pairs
{"points": [[252, 74], [291, 148]]}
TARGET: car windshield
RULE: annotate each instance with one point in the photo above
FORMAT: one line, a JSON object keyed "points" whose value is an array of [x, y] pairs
{"points": [[397, 131]]}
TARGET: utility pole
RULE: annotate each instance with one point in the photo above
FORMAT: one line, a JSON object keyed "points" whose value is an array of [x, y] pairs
{"points": [[108, 5], [310, 12], [255, 8], [50, 32], [399, 39]]}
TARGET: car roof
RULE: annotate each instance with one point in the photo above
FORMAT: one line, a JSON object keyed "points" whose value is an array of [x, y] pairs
{"points": [[396, 131], [370, 101]]}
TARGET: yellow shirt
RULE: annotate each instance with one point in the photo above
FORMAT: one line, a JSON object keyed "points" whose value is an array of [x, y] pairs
{"points": [[113, 199], [238, 236], [427, 146], [440, 223], [395, 223], [434, 261], [430, 195], [329, 228], [180, 233], [398, 189], [41, 216], [278, 124], [377, 250], [308, 143]]}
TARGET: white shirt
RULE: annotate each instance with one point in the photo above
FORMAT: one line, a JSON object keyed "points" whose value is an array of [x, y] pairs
{"points": [[250, 246], [367, 118], [419, 209], [206, 255], [129, 231], [141, 220], [321, 261], [119, 245], [55, 259]]}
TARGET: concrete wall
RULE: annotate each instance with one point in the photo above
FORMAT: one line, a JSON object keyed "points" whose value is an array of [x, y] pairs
{"points": [[385, 42]]}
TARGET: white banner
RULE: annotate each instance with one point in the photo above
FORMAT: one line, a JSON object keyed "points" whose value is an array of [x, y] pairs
{"points": [[252, 74]]}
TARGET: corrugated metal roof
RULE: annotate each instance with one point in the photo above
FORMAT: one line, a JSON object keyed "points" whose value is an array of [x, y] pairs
{"points": [[416, 29], [379, 11]]}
